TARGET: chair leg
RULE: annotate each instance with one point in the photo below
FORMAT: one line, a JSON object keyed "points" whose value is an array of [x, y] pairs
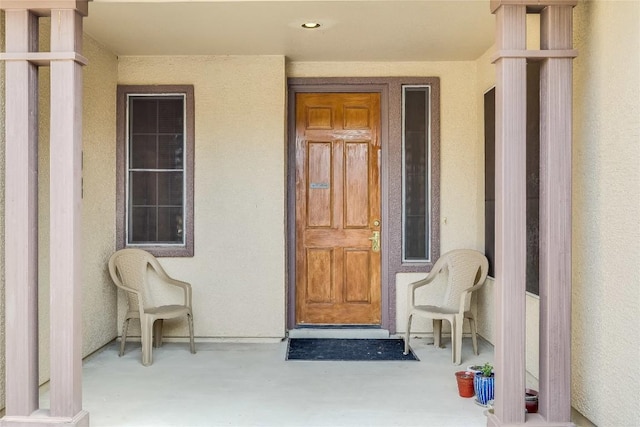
{"points": [[193, 344], [407, 334], [458, 321], [125, 328], [157, 333], [437, 332], [474, 331], [452, 322], [146, 325]]}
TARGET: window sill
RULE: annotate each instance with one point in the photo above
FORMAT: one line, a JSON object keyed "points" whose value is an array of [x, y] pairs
{"points": [[165, 251]]}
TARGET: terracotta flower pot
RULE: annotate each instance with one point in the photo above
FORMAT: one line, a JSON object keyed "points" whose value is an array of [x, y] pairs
{"points": [[465, 383]]}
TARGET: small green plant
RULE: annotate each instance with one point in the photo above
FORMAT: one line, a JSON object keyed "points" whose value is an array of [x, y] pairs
{"points": [[487, 370]]}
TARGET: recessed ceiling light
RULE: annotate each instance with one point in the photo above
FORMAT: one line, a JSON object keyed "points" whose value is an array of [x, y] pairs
{"points": [[310, 25]]}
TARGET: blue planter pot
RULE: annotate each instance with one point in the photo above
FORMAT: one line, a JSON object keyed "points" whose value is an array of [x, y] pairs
{"points": [[484, 388]]}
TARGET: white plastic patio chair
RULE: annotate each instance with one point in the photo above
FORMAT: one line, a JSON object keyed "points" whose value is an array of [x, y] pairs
{"points": [[467, 272], [129, 269]]}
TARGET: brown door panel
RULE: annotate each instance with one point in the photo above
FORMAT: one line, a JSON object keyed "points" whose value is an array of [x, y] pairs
{"points": [[337, 208]]}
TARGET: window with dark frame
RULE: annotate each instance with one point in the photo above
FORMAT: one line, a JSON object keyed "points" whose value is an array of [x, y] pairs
{"points": [[155, 169], [416, 214], [155, 176]]}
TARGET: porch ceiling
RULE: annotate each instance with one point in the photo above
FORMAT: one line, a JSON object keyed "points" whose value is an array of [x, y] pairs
{"points": [[391, 30]]}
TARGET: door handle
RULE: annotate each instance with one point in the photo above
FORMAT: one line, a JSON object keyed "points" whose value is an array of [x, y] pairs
{"points": [[375, 241]]}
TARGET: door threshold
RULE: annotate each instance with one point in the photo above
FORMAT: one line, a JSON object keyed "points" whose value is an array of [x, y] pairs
{"points": [[344, 332]]}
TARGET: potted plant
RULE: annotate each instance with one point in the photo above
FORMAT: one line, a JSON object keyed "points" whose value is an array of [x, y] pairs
{"points": [[483, 384], [465, 380], [474, 368]]}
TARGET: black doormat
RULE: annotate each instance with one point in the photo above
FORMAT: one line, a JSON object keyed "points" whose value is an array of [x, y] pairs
{"points": [[347, 349]]}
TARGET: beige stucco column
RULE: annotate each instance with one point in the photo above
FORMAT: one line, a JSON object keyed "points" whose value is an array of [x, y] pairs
{"points": [[21, 231], [556, 56]]}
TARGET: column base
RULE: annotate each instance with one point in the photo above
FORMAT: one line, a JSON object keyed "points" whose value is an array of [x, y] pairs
{"points": [[41, 418], [530, 420]]}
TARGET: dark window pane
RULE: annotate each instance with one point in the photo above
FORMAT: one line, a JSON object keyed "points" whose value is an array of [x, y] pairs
{"points": [[415, 246], [143, 152], [142, 225], [170, 188], [416, 195], [143, 113], [415, 109], [170, 115], [156, 141], [170, 225], [170, 152], [143, 188]]}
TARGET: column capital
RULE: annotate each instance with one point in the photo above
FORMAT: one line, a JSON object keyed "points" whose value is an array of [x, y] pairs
{"points": [[43, 7], [533, 6], [531, 55]]}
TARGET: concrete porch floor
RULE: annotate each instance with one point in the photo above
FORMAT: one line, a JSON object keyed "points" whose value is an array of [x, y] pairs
{"points": [[231, 384]]}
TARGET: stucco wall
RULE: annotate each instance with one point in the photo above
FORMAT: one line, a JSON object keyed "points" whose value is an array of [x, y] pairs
{"points": [[222, 97], [238, 270], [606, 208], [44, 112], [2, 142], [98, 214]]}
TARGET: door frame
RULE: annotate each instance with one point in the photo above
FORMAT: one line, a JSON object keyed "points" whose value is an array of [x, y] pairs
{"points": [[390, 213], [325, 85], [338, 310]]}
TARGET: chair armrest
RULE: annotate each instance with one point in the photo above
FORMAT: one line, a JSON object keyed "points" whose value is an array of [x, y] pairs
{"points": [[115, 277], [411, 292], [116, 280], [186, 287], [463, 295], [138, 295], [127, 289]]}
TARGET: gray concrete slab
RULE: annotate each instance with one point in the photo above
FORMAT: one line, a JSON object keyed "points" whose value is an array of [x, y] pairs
{"points": [[231, 384]]}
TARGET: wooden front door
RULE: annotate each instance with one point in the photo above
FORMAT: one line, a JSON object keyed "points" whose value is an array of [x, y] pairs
{"points": [[338, 220]]}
